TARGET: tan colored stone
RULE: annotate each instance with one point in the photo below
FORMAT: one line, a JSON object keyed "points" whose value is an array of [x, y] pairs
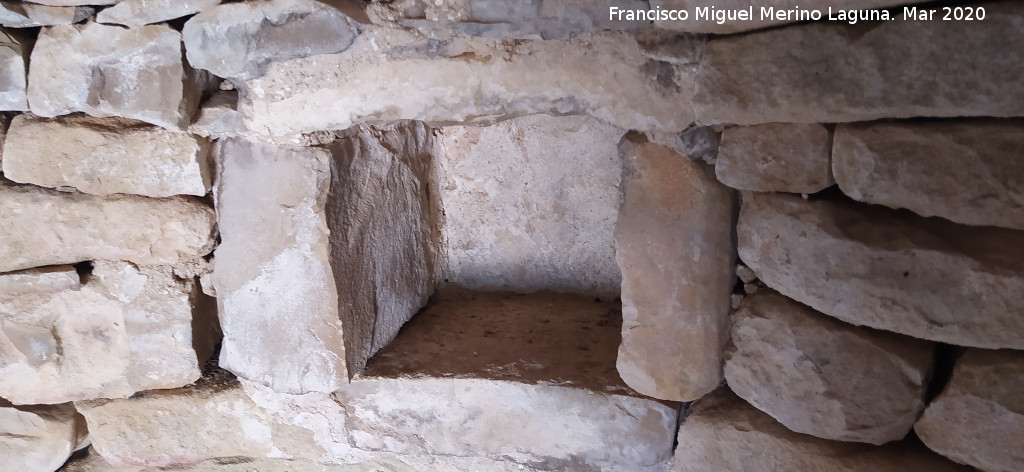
{"points": [[822, 377], [239, 40], [219, 117], [871, 266], [674, 245], [470, 81], [978, 419], [759, 17], [965, 171], [26, 15], [832, 72], [39, 438], [46, 227], [126, 329], [340, 243], [104, 156], [13, 82], [530, 204], [72, 3], [112, 71], [776, 157], [136, 13], [722, 432], [54, 279]]}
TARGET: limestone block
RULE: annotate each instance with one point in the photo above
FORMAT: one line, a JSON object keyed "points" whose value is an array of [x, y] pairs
{"points": [[776, 157], [53, 279], [104, 156], [470, 81], [822, 377], [674, 244], [829, 72], [24, 15], [46, 227], [530, 204], [219, 117], [528, 378], [136, 13], [324, 254], [13, 81], [112, 71], [72, 3], [965, 171], [39, 438], [239, 40], [710, 23], [978, 419], [127, 329], [867, 265], [722, 432], [550, 19]]}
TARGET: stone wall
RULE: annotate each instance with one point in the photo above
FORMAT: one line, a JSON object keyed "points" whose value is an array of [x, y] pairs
{"points": [[478, 235]]}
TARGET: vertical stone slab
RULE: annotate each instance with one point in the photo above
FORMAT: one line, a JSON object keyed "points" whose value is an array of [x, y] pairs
{"points": [[383, 232], [674, 242], [276, 291], [13, 80]]}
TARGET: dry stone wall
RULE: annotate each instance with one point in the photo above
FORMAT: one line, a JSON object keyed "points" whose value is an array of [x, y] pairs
{"points": [[479, 235]]}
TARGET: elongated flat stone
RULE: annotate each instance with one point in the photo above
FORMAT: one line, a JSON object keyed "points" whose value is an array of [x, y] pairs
{"points": [[470, 81], [830, 72], [127, 329], [822, 377], [722, 432], [674, 245], [136, 13], [53, 279], [776, 158], [27, 15], [530, 204], [46, 227], [104, 156], [965, 171], [866, 265], [39, 437], [978, 419]]}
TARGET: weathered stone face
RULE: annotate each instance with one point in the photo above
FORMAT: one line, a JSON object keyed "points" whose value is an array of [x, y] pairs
{"points": [[530, 204], [46, 227], [71, 3], [238, 40], [126, 329], [822, 377], [111, 71], [13, 79], [978, 419], [825, 72], [24, 15], [136, 13], [470, 81], [219, 116], [776, 158], [722, 432], [104, 156], [870, 266], [709, 23], [39, 437], [965, 171], [674, 244]]}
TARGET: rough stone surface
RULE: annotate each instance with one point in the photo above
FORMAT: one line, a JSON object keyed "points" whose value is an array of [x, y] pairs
{"points": [[46, 227], [831, 72], [776, 158], [24, 15], [924, 277], [549, 19], [822, 377], [470, 81], [703, 24], [674, 244], [219, 116], [53, 279], [112, 71], [978, 419], [722, 432], [136, 13], [126, 329], [104, 156], [530, 204], [39, 438], [965, 171], [13, 81], [72, 3], [238, 40]]}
